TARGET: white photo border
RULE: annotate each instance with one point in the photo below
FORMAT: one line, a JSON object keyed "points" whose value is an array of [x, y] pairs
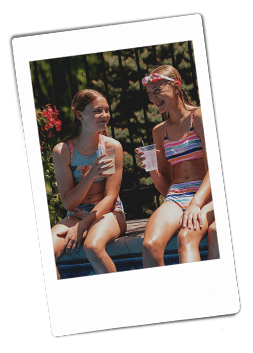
{"points": [[139, 297]]}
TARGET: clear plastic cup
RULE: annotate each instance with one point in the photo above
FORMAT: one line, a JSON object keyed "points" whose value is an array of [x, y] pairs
{"points": [[110, 154], [150, 157]]}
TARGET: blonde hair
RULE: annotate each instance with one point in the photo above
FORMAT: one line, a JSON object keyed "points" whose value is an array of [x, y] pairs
{"points": [[170, 71]]}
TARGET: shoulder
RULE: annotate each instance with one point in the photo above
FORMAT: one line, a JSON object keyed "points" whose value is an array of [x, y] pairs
{"points": [[62, 151], [197, 119], [112, 143], [159, 129], [158, 133], [198, 124], [60, 148], [197, 116]]}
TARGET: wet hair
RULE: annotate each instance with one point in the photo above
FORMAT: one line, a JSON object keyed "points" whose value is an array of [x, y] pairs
{"points": [[80, 102], [170, 71]]}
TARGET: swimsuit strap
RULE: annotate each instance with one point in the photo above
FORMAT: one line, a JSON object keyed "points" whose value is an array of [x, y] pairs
{"points": [[71, 149], [192, 116], [102, 143], [71, 146], [166, 126], [167, 121]]}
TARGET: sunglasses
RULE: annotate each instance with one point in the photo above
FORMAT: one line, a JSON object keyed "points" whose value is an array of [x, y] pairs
{"points": [[156, 77]]}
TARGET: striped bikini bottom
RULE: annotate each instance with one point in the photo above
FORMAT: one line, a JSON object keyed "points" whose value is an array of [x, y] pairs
{"points": [[183, 193]]}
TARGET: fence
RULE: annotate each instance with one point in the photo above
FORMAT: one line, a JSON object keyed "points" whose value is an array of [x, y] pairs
{"points": [[134, 195]]}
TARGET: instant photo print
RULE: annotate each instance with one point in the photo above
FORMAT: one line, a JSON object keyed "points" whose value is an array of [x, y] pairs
{"points": [[50, 69]]}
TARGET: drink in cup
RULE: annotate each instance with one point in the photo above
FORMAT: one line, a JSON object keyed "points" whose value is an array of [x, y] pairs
{"points": [[110, 154], [150, 157]]}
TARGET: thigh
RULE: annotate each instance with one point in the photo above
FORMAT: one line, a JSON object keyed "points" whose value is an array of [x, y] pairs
{"points": [[62, 226], [207, 213], [197, 235], [105, 229], [163, 223]]}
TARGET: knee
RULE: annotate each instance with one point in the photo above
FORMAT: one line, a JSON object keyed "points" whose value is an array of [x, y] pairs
{"points": [[212, 235], [57, 255], [151, 246], [57, 247], [93, 249], [186, 238], [212, 228]]}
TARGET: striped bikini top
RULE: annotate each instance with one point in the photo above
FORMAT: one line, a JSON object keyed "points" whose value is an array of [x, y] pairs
{"points": [[81, 164], [186, 149]]}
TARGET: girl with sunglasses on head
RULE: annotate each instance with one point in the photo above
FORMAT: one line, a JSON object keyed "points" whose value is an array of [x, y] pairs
{"points": [[95, 215], [182, 174]]}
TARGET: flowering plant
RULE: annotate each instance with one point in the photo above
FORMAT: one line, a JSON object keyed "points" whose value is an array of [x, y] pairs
{"points": [[49, 124], [48, 119]]}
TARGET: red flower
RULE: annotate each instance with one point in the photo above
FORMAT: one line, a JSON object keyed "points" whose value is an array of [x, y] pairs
{"points": [[44, 113], [56, 111], [51, 120], [50, 124], [57, 124]]}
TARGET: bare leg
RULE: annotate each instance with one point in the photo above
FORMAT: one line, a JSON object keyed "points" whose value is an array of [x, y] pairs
{"points": [[213, 249], [188, 239], [102, 232], [62, 226], [160, 229]]}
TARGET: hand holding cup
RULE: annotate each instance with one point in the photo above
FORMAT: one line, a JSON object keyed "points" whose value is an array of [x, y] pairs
{"points": [[110, 157], [146, 156]]}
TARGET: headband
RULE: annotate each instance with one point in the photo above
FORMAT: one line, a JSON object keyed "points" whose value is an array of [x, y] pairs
{"points": [[156, 77]]}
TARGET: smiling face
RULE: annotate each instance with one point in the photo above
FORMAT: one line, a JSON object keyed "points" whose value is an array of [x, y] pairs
{"points": [[95, 115], [162, 94]]}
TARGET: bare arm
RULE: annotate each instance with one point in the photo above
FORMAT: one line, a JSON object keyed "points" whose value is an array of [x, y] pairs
{"points": [[162, 177], [193, 212], [199, 130], [205, 188], [71, 195], [203, 192]]}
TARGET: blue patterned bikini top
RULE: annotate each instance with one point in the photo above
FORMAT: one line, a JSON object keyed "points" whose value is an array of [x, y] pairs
{"points": [[81, 164]]}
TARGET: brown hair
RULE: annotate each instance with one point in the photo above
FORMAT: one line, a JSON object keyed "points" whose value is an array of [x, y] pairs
{"points": [[170, 71], [79, 102]]}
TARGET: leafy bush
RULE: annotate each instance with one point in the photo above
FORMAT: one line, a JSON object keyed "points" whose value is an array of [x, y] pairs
{"points": [[49, 124]]}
